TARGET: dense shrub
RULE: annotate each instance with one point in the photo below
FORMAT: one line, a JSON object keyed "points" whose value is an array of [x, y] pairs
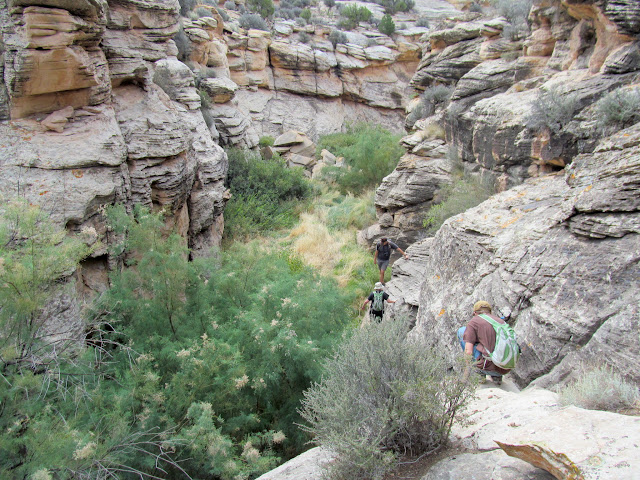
{"points": [[266, 141], [253, 21], [266, 194], [230, 5], [382, 395], [601, 389], [330, 3], [422, 22], [464, 193], [264, 8], [353, 15], [336, 37], [387, 26], [59, 414], [306, 14], [352, 212], [228, 345], [619, 108], [223, 13], [370, 151], [517, 13], [552, 109]]}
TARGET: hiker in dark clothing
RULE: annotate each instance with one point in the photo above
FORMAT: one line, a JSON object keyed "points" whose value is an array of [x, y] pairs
{"points": [[383, 254], [377, 299], [477, 339]]}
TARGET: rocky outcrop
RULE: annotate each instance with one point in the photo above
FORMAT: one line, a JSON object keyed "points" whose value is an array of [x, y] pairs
{"points": [[558, 255], [101, 112], [543, 440], [566, 442], [321, 86], [576, 53]]}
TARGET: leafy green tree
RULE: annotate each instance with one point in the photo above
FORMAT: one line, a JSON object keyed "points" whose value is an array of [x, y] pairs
{"points": [[370, 151], [266, 195], [59, 414], [387, 26], [34, 255]]}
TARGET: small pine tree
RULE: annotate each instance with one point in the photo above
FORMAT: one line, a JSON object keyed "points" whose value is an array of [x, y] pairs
{"points": [[387, 26]]}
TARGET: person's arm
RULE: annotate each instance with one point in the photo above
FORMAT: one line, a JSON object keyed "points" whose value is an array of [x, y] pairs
{"points": [[364, 304], [375, 256], [403, 254], [391, 301]]}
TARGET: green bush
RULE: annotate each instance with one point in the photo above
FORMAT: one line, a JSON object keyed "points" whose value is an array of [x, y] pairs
{"points": [[52, 383], [266, 141], [601, 389], [266, 195], [183, 44], [228, 345], [619, 108], [370, 152], [382, 395], [264, 8], [336, 37], [330, 3], [457, 197], [354, 15], [552, 110], [515, 11], [386, 25], [254, 21], [434, 97], [306, 14]]}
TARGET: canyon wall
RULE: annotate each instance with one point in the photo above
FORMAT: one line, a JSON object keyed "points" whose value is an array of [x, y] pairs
{"points": [[557, 252]]}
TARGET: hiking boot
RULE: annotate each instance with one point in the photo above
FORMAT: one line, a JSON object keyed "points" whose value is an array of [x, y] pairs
{"points": [[497, 380]]}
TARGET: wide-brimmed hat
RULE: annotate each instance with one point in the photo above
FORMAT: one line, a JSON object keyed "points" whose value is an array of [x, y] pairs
{"points": [[378, 286], [481, 304]]}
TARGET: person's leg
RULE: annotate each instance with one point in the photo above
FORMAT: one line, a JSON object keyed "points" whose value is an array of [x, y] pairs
{"points": [[476, 353], [382, 266]]}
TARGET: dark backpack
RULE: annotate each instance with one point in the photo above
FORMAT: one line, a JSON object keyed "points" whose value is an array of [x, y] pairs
{"points": [[384, 251]]}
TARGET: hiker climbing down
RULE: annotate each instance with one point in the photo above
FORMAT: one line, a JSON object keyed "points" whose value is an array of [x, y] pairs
{"points": [[377, 299], [489, 344], [383, 254]]}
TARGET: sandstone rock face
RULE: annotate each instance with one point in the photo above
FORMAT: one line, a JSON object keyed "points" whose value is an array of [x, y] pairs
{"points": [[565, 442], [557, 255], [307, 466], [102, 112], [576, 52]]}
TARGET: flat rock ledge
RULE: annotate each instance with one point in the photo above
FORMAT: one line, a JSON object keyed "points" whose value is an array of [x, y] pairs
{"points": [[540, 440]]}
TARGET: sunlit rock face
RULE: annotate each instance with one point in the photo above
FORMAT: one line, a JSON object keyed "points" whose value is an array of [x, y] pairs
{"points": [[97, 110]]}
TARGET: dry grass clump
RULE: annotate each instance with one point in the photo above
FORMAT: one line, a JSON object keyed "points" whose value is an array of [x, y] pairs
{"points": [[601, 389], [333, 253]]}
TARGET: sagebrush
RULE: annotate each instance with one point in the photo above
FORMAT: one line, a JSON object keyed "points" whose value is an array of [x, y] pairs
{"points": [[382, 395]]}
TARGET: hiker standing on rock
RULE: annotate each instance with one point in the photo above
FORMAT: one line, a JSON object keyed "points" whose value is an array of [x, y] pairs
{"points": [[377, 299], [478, 340], [383, 254]]}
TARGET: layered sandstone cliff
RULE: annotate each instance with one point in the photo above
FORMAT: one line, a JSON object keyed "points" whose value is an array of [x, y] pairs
{"points": [[557, 252], [576, 51], [99, 111]]}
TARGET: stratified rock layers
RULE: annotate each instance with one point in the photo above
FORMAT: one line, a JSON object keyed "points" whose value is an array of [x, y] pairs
{"points": [[128, 126], [559, 256]]}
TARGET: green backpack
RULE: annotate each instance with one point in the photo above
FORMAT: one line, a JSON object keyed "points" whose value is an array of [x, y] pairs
{"points": [[506, 351], [378, 302]]}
